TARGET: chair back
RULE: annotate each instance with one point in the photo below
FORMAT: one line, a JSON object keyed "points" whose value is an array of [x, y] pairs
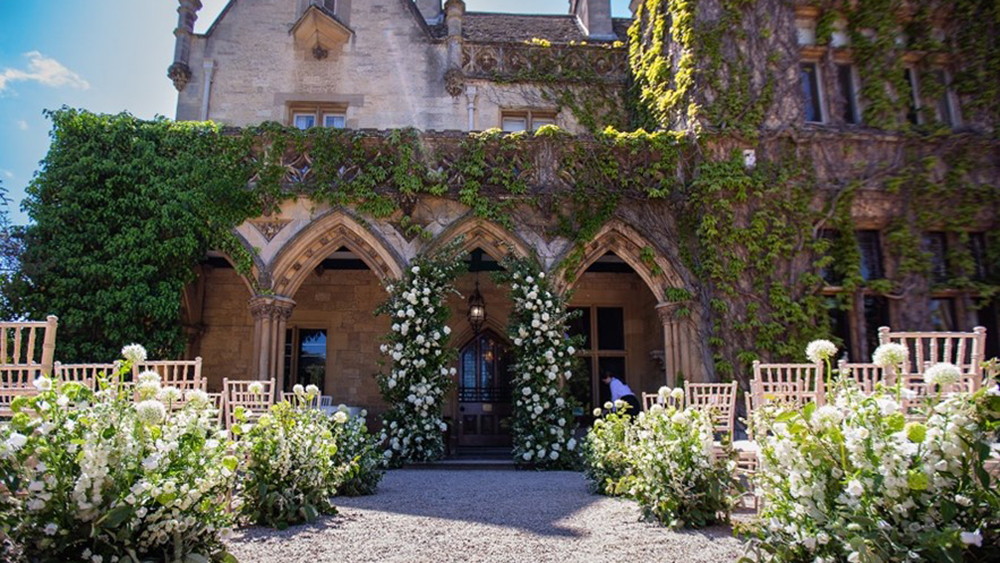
{"points": [[218, 401], [797, 383], [182, 374], [325, 401], [86, 374], [867, 376], [293, 400], [650, 399], [717, 399], [923, 393], [924, 349], [19, 344], [237, 394]]}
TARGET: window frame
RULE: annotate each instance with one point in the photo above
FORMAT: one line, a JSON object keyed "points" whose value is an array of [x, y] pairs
{"points": [[594, 354], [820, 97], [292, 352], [551, 116], [319, 111], [916, 108], [853, 97], [948, 98]]}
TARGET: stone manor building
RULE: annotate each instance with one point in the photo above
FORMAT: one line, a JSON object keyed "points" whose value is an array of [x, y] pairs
{"points": [[307, 316]]}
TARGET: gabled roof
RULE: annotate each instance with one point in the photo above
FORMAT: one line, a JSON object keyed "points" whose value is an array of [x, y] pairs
{"points": [[491, 27]]}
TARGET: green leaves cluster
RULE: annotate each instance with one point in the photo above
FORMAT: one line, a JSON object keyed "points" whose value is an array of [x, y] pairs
{"points": [[121, 210]]}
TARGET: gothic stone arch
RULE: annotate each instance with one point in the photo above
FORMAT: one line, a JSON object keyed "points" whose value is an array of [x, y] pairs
{"points": [[627, 244], [480, 233], [321, 238]]}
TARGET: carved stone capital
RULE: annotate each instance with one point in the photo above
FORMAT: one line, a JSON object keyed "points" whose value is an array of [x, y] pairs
{"points": [[454, 82], [180, 74], [272, 307], [668, 310]]}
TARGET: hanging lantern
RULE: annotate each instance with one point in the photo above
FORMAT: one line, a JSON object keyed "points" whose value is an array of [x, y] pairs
{"points": [[477, 309]]}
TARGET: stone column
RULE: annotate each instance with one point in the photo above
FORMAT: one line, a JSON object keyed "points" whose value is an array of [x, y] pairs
{"points": [[180, 71], [270, 314], [672, 339]]}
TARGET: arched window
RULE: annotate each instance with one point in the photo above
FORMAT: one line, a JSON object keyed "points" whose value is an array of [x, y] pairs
{"points": [[483, 370]]}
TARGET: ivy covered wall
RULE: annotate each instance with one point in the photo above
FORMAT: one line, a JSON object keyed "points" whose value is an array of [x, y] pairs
{"points": [[123, 208]]}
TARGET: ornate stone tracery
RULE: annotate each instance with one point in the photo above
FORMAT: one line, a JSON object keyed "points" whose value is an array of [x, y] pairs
{"points": [[323, 237]]}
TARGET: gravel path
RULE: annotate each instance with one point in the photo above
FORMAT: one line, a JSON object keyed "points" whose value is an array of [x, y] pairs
{"points": [[445, 516]]}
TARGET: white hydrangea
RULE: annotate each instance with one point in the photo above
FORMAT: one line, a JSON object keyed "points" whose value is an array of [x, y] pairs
{"points": [[312, 390]]}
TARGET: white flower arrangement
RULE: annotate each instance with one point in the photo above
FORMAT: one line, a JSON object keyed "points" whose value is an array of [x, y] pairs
{"points": [[419, 378], [542, 422], [114, 480], [853, 480]]}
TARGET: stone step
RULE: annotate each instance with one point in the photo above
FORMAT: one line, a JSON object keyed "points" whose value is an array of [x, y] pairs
{"points": [[466, 464]]}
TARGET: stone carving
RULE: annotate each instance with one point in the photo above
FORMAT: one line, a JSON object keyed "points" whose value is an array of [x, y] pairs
{"points": [[180, 74], [269, 228], [320, 52], [513, 59], [454, 82]]}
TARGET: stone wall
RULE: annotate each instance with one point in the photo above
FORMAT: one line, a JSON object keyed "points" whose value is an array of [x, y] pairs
{"points": [[226, 343], [389, 74]]}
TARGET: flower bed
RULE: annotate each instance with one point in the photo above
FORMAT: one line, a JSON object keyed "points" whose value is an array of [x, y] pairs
{"points": [[855, 480], [92, 476], [666, 460]]}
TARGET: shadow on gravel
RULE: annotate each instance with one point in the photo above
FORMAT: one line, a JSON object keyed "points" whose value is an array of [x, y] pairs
{"points": [[536, 502], [258, 534]]}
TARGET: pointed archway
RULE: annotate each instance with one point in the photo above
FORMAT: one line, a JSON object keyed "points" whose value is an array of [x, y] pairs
{"points": [[477, 232], [324, 236], [635, 250]]}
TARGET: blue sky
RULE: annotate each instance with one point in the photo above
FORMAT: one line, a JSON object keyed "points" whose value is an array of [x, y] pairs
{"points": [[107, 56]]}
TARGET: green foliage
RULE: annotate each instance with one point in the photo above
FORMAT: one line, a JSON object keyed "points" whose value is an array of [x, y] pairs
{"points": [[359, 456], [121, 210], [605, 452], [291, 472]]}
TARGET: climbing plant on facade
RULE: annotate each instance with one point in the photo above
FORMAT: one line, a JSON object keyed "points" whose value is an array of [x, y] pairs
{"points": [[542, 423], [420, 375]]}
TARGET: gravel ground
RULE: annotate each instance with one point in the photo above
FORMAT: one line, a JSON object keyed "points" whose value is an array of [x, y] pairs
{"points": [[489, 516]]}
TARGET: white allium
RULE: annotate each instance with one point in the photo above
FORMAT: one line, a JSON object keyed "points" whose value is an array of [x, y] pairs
{"points": [[855, 488], [148, 389], [255, 388], [820, 350], [312, 390], [197, 397], [942, 374], [149, 376], [889, 355], [298, 389], [340, 417], [169, 395], [134, 353], [677, 394], [151, 411]]}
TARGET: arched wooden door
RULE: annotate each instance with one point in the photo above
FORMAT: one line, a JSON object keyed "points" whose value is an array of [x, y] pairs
{"points": [[484, 391]]}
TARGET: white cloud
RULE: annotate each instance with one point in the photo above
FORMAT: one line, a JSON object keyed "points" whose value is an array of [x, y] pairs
{"points": [[22, 125], [45, 71], [6, 173]]}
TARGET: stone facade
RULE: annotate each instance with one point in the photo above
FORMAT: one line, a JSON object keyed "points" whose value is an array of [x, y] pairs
{"points": [[388, 64]]}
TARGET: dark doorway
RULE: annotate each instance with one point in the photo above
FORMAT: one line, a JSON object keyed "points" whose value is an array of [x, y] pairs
{"points": [[484, 392]]}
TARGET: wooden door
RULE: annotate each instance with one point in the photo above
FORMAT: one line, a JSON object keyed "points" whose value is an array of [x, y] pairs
{"points": [[484, 392]]}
